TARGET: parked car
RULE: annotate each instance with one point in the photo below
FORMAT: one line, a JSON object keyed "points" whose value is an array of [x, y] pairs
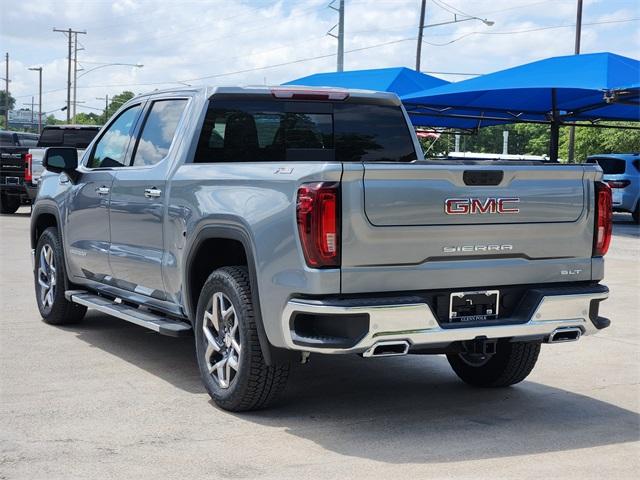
{"points": [[622, 173], [14, 168], [76, 136], [275, 223]]}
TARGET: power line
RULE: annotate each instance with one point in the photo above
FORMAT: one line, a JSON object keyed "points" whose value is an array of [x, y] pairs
{"points": [[537, 29]]}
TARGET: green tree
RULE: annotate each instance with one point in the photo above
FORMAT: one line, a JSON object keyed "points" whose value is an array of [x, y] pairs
{"points": [[51, 120], [88, 119], [12, 102], [117, 101]]}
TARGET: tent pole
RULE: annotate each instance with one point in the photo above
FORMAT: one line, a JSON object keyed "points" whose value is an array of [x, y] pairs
{"points": [[554, 131]]}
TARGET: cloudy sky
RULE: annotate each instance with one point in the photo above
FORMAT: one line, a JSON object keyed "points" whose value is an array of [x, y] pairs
{"points": [[233, 42]]}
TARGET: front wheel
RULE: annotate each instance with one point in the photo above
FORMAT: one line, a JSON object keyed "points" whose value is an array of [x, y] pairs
{"points": [[636, 213], [511, 364], [50, 273], [228, 351]]}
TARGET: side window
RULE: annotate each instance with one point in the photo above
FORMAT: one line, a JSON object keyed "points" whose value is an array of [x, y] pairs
{"points": [[111, 149], [158, 131]]}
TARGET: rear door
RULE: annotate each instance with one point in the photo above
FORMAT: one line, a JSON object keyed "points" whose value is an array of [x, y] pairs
{"points": [[138, 199]]}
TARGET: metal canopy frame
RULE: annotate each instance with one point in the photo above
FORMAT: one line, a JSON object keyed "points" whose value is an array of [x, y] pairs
{"points": [[554, 118]]}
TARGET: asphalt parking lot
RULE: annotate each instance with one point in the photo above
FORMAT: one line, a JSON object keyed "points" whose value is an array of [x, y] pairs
{"points": [[107, 399]]}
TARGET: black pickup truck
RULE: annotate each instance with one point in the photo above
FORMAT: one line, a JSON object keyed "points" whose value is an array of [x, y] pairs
{"points": [[14, 169]]}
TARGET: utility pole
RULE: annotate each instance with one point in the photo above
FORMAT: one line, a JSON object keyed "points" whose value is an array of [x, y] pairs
{"points": [[340, 36], [6, 91], [39, 70], [423, 9], [75, 72], [576, 50], [69, 32]]}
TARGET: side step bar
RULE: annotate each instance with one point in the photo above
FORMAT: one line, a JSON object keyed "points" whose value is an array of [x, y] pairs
{"points": [[157, 323]]}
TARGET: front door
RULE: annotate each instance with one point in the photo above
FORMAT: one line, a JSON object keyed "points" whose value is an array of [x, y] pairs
{"points": [[138, 199], [87, 234]]}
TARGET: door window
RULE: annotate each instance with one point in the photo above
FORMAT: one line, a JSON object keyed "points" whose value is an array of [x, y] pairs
{"points": [[111, 149], [158, 131]]}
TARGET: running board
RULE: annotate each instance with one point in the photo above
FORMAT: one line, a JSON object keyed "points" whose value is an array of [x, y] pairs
{"points": [[157, 323]]}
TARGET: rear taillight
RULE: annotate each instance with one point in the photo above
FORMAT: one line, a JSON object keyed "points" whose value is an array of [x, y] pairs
{"points": [[27, 167], [603, 220], [317, 212], [618, 183]]}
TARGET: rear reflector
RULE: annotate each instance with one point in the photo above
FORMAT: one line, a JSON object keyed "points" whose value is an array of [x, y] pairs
{"points": [[603, 220], [618, 183], [317, 212], [28, 158], [307, 94]]}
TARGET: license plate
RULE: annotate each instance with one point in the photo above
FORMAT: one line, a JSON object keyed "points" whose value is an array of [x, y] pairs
{"points": [[12, 180], [475, 306]]}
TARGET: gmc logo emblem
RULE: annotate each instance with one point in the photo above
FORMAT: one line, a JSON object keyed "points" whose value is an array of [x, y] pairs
{"points": [[476, 206]]}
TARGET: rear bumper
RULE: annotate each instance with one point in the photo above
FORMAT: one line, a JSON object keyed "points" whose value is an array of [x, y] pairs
{"points": [[415, 322]]}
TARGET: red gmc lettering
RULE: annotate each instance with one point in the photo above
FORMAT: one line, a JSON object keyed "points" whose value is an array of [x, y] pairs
{"points": [[503, 206], [477, 206]]}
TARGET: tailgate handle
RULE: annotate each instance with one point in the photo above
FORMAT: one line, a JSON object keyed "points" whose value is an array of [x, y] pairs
{"points": [[482, 178]]}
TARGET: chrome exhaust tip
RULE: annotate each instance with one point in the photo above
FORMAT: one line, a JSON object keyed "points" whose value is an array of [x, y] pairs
{"points": [[388, 349], [562, 335]]}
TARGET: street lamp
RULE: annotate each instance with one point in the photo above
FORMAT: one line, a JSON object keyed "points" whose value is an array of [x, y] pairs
{"points": [[456, 19], [136, 65], [39, 70], [116, 64]]}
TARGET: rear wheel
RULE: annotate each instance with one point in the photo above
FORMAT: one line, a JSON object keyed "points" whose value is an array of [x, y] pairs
{"points": [[9, 204], [511, 364], [636, 213], [49, 282], [227, 347]]}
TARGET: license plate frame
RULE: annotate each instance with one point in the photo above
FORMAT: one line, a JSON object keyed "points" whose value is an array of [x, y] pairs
{"points": [[489, 307]]}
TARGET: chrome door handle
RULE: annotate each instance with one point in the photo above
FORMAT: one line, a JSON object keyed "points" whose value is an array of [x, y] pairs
{"points": [[152, 192], [102, 190]]}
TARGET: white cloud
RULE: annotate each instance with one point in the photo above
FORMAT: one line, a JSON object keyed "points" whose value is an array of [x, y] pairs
{"points": [[192, 39]]}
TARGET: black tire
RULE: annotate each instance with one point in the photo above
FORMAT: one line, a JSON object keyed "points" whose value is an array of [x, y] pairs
{"points": [[636, 213], [56, 310], [511, 364], [254, 385], [9, 204]]}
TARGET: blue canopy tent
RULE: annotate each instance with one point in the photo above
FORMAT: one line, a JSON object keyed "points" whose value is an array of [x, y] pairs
{"points": [[399, 80], [556, 91]]}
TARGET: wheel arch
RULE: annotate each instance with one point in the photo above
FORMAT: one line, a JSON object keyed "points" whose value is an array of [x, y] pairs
{"points": [[226, 235]]}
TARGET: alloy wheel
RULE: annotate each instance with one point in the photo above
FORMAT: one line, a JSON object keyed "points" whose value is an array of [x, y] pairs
{"points": [[47, 276], [222, 335]]}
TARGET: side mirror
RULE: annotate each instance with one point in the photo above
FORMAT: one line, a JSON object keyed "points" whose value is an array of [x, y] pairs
{"points": [[60, 159]]}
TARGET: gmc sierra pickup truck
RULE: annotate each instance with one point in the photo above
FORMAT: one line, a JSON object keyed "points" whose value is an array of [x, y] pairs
{"points": [[275, 223]]}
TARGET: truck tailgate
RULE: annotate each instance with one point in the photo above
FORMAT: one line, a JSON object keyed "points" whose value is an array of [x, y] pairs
{"points": [[419, 226]]}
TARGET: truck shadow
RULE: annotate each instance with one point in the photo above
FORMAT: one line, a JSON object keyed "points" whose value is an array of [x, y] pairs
{"points": [[394, 410]]}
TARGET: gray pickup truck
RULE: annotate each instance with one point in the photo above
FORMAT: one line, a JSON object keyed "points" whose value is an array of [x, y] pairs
{"points": [[275, 223]]}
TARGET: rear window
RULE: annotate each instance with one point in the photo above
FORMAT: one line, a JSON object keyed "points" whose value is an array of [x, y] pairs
{"points": [[28, 140], [7, 140], [67, 137], [610, 166], [271, 130]]}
